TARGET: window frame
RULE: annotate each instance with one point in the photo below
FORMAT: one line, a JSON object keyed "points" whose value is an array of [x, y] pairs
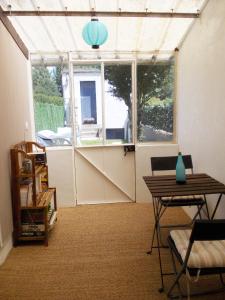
{"points": [[69, 61], [102, 63], [52, 62], [174, 139]]}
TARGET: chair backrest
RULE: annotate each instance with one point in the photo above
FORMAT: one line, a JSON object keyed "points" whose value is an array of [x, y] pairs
{"points": [[168, 163], [208, 230]]}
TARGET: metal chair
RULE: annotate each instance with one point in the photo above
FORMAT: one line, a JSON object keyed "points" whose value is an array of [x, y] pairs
{"points": [[200, 251], [160, 205]]}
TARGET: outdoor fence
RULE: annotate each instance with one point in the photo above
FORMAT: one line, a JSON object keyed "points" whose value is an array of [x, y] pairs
{"points": [[48, 116]]}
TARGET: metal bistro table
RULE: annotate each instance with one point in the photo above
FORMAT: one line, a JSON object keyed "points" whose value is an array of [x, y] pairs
{"points": [[166, 186]]}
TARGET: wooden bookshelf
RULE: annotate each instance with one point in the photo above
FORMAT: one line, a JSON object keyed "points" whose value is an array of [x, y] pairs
{"points": [[33, 201]]}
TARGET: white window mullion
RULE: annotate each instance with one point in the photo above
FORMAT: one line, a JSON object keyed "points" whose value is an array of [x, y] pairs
{"points": [[72, 103], [103, 103], [175, 104], [134, 102]]}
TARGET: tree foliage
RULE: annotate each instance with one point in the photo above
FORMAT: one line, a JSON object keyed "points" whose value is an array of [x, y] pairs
{"points": [[119, 78], [155, 83], [57, 75], [158, 114], [46, 85], [154, 80]]}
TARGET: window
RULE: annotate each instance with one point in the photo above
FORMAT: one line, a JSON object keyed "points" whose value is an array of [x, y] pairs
{"points": [[103, 103], [155, 90], [88, 103], [118, 105], [52, 111]]}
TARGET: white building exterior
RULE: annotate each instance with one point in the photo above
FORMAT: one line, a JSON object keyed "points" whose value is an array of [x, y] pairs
{"points": [[89, 114]]}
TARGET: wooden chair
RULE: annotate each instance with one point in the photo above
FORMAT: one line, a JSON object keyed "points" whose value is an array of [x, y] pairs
{"points": [[168, 163], [200, 251]]}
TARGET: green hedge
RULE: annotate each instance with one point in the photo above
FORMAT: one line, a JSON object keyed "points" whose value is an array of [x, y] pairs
{"points": [[40, 97], [158, 114], [48, 116]]}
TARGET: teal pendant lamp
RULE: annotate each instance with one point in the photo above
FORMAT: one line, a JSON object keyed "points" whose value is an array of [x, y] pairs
{"points": [[95, 33]]}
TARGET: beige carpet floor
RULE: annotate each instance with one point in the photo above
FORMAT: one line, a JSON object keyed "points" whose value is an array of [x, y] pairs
{"points": [[95, 252]]}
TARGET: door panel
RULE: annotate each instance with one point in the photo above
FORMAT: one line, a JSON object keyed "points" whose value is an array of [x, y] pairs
{"points": [[104, 175]]}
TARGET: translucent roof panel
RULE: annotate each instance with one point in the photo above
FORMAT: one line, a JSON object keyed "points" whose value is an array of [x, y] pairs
{"points": [[128, 37], [106, 5]]}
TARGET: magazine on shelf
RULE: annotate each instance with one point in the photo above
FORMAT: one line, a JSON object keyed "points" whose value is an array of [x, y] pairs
{"points": [[26, 194]]}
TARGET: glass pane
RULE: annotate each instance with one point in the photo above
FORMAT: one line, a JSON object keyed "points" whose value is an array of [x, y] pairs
{"points": [[118, 105], [88, 98], [155, 90], [52, 110]]}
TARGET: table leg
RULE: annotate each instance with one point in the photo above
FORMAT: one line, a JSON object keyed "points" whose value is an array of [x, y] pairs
{"points": [[155, 225], [217, 204], [157, 211], [161, 289]]}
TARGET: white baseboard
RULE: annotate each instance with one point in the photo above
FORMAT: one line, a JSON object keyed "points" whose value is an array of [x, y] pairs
{"points": [[4, 251]]}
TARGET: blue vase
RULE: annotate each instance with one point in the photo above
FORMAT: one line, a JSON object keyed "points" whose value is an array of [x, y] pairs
{"points": [[180, 170]]}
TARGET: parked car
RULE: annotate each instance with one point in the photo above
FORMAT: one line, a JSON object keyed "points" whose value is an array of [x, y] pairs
{"points": [[50, 138]]}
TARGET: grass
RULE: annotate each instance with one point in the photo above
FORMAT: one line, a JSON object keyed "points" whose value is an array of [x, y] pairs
{"points": [[100, 142]]}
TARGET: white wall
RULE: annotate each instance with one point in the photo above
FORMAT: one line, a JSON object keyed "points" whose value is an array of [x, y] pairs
{"points": [[14, 113], [143, 167], [201, 93], [61, 174], [116, 111]]}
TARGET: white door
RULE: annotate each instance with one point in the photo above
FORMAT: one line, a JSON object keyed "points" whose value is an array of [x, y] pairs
{"points": [[104, 175], [104, 172]]}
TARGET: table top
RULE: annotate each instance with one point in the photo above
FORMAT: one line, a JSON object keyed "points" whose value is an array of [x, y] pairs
{"points": [[196, 184]]}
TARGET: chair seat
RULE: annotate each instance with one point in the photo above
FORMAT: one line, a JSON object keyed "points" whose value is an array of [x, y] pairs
{"points": [[204, 254], [182, 200]]}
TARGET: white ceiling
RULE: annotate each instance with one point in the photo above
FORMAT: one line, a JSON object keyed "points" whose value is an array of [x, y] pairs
{"points": [[128, 36]]}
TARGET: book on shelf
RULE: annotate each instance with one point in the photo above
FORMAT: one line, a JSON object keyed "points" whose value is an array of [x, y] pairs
{"points": [[32, 233], [32, 216], [25, 180], [26, 194], [27, 227], [32, 229], [43, 181], [53, 218], [35, 216], [38, 228], [50, 212], [38, 184], [39, 157]]}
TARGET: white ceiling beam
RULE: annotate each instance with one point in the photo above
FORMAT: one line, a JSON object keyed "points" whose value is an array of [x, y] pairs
{"points": [[152, 52], [67, 13], [8, 25]]}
